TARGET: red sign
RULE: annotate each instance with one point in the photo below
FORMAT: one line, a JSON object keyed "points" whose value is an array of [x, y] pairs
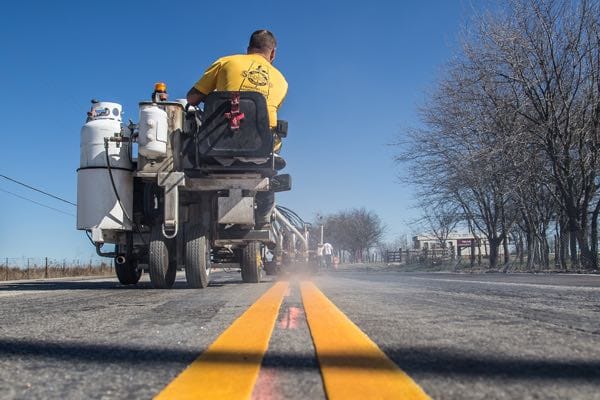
{"points": [[463, 242]]}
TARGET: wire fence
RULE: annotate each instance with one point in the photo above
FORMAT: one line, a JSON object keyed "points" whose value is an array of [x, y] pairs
{"points": [[45, 267]]}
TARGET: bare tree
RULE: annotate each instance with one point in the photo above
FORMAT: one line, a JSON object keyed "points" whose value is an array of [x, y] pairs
{"points": [[458, 159], [545, 55], [512, 132], [354, 230], [440, 219]]}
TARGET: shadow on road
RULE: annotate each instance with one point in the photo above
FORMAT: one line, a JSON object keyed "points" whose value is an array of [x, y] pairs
{"points": [[436, 361], [59, 285], [82, 285], [428, 361], [95, 285]]}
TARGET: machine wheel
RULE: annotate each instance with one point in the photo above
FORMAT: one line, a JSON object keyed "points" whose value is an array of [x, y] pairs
{"points": [[162, 267], [251, 263], [197, 257], [128, 273]]}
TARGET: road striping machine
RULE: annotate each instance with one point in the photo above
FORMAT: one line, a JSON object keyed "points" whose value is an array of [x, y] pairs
{"points": [[181, 188]]}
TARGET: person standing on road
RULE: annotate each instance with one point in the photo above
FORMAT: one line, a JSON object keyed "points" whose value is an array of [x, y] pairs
{"points": [[253, 71], [327, 253]]}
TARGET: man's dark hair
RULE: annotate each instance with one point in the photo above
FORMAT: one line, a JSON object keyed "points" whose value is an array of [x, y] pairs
{"points": [[262, 40]]}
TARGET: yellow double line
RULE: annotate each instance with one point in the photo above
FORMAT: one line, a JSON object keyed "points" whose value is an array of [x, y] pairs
{"points": [[229, 367], [352, 365]]}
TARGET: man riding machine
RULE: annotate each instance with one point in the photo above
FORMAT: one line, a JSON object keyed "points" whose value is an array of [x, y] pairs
{"points": [[201, 191]]}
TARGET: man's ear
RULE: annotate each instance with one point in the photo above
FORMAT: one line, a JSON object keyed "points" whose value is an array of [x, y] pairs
{"points": [[272, 56]]}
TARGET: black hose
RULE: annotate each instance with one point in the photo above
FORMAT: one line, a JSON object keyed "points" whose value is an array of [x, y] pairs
{"points": [[112, 254], [130, 150], [112, 181], [87, 233], [291, 216]]}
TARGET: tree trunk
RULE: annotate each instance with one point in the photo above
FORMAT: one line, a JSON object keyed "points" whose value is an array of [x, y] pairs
{"points": [[557, 250], [494, 244], [530, 251], [545, 252], [520, 250], [573, 243], [584, 248], [506, 251], [594, 236], [564, 249]]}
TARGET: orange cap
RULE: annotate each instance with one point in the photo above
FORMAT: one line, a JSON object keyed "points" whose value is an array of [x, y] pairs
{"points": [[160, 87]]}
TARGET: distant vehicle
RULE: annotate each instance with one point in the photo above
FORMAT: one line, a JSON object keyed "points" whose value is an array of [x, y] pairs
{"points": [[188, 198]]}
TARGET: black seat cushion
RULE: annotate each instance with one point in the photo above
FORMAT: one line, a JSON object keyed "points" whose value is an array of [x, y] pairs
{"points": [[216, 138]]}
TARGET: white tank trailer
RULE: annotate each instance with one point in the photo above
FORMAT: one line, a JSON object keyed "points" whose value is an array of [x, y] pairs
{"points": [[179, 189]]}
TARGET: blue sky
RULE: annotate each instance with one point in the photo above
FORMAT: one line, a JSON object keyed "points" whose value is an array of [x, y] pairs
{"points": [[357, 72]]}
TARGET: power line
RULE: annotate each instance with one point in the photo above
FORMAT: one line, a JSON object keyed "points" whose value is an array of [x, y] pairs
{"points": [[38, 190], [35, 202]]}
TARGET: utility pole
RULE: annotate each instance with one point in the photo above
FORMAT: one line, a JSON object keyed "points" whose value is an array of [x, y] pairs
{"points": [[320, 245], [321, 241], [320, 218]]}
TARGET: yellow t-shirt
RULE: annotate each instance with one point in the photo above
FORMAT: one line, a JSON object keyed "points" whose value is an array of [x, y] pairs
{"points": [[246, 72]]}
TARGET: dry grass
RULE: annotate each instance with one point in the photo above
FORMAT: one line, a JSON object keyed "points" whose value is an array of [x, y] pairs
{"points": [[36, 272]]}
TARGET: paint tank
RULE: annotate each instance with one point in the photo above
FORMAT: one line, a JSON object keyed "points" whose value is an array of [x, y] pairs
{"points": [[153, 129], [97, 205]]}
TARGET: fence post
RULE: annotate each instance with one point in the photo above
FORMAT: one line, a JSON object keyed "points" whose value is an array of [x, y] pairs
{"points": [[46, 269], [6, 268]]}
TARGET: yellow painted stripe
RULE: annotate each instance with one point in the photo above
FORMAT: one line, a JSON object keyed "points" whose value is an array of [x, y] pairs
{"points": [[229, 368], [352, 365]]}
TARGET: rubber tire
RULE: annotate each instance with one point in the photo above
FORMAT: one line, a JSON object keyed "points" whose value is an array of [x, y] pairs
{"points": [[162, 267], [251, 263], [128, 273], [197, 257]]}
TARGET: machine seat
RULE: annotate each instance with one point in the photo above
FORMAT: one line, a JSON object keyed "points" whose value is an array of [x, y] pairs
{"points": [[220, 141]]}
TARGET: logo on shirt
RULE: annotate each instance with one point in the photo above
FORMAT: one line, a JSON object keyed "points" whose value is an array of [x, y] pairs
{"points": [[257, 76]]}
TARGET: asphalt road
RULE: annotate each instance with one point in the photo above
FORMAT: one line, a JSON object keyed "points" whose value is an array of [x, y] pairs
{"points": [[458, 336]]}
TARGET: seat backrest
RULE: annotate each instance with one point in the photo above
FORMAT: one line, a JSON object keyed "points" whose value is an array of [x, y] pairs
{"points": [[219, 137]]}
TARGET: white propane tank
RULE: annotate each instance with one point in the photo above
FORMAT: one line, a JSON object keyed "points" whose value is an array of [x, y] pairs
{"points": [[97, 205], [153, 128]]}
